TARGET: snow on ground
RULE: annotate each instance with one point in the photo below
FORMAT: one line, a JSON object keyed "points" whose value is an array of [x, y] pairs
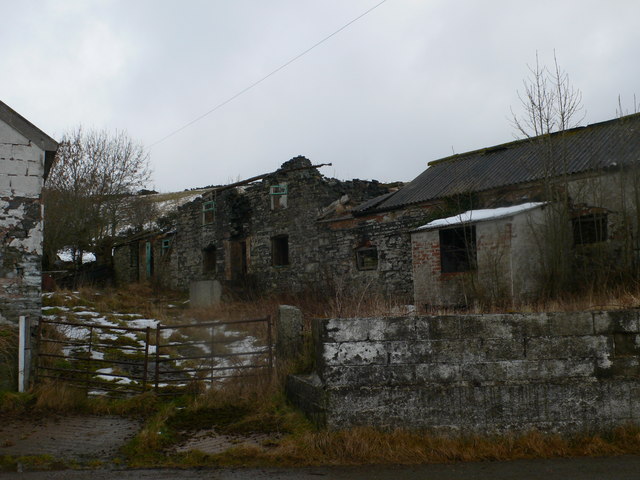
{"points": [[86, 313], [143, 323], [67, 256], [106, 331]]}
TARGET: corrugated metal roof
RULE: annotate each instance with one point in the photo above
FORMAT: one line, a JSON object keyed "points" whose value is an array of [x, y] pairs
{"points": [[601, 145]]}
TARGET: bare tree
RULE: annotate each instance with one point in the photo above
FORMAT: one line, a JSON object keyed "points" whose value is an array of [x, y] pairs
{"points": [[549, 102], [93, 175]]}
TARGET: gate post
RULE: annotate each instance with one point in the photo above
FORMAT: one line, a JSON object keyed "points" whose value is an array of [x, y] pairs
{"points": [[270, 343], [24, 349], [157, 356], [146, 359]]}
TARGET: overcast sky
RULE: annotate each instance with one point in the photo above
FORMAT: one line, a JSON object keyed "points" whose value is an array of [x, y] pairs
{"points": [[410, 82]]}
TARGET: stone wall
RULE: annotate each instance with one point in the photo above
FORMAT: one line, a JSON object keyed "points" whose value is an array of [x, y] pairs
{"points": [[21, 178], [130, 262], [476, 373], [246, 222], [389, 234]]}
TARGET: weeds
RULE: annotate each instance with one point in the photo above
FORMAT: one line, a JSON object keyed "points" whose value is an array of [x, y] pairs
{"points": [[367, 446], [31, 462], [258, 406], [8, 356]]}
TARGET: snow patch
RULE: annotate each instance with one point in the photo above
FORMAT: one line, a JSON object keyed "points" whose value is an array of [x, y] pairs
{"points": [[480, 215]]}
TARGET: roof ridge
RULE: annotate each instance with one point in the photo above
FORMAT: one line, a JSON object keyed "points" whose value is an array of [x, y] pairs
{"points": [[514, 143], [26, 128]]}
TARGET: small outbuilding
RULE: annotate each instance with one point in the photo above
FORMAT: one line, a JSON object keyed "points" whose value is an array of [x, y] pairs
{"points": [[479, 254]]}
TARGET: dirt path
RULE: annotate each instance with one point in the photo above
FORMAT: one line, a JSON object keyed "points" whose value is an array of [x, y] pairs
{"points": [[69, 437]]}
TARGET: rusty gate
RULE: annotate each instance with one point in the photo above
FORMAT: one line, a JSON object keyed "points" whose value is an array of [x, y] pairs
{"points": [[170, 359]]}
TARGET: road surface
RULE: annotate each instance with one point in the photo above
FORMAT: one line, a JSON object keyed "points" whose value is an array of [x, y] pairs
{"points": [[608, 468]]}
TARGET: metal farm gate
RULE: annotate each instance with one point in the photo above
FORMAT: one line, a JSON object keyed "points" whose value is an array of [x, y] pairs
{"points": [[170, 359], [212, 353]]}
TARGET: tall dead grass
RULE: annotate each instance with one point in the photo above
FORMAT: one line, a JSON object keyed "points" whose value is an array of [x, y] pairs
{"points": [[139, 298], [8, 344], [59, 397], [364, 445], [365, 303]]}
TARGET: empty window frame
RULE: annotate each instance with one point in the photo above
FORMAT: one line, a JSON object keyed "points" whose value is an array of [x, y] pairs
{"points": [[166, 245], [591, 228], [367, 258], [458, 249], [208, 212], [280, 250], [209, 260], [278, 195]]}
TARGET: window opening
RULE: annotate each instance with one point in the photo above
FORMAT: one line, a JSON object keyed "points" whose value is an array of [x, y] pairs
{"points": [[367, 258], [278, 195], [590, 228], [209, 260], [208, 212], [166, 244], [458, 249], [280, 250]]}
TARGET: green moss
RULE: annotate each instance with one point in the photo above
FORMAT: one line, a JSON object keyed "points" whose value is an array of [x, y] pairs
{"points": [[219, 417], [53, 311], [9, 463], [14, 402]]}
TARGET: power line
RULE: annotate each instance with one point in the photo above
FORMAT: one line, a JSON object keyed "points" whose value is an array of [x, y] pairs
{"points": [[284, 65]]}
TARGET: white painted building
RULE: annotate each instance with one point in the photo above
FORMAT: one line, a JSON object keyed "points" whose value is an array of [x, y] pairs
{"points": [[487, 253], [26, 156]]}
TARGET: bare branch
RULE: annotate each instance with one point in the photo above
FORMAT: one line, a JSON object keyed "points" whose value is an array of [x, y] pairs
{"points": [[94, 173], [549, 102]]}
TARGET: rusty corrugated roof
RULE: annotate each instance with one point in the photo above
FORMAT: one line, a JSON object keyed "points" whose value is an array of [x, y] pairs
{"points": [[597, 146]]}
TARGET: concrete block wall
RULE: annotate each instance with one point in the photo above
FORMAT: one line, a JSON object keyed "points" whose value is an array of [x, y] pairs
{"points": [[476, 373]]}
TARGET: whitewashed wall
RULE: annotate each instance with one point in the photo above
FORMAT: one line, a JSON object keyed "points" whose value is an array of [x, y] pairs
{"points": [[21, 180]]}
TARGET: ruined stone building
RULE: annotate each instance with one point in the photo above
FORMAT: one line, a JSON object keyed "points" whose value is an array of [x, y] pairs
{"points": [[262, 235], [26, 156], [294, 229]]}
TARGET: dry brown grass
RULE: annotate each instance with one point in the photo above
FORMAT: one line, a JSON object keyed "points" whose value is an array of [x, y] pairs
{"points": [[362, 303], [369, 446], [618, 298], [59, 397], [138, 298], [8, 344], [312, 306]]}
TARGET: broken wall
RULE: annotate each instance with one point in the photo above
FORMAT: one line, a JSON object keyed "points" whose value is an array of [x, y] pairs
{"points": [[386, 234], [21, 179], [263, 235]]}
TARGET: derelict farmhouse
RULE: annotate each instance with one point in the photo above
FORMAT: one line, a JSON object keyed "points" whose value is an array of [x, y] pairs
{"points": [[479, 225]]}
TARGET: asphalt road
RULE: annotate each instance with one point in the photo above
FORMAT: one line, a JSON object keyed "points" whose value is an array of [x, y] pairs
{"points": [[609, 468]]}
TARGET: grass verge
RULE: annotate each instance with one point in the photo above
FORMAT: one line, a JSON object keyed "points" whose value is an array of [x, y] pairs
{"points": [[293, 442], [367, 446]]}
